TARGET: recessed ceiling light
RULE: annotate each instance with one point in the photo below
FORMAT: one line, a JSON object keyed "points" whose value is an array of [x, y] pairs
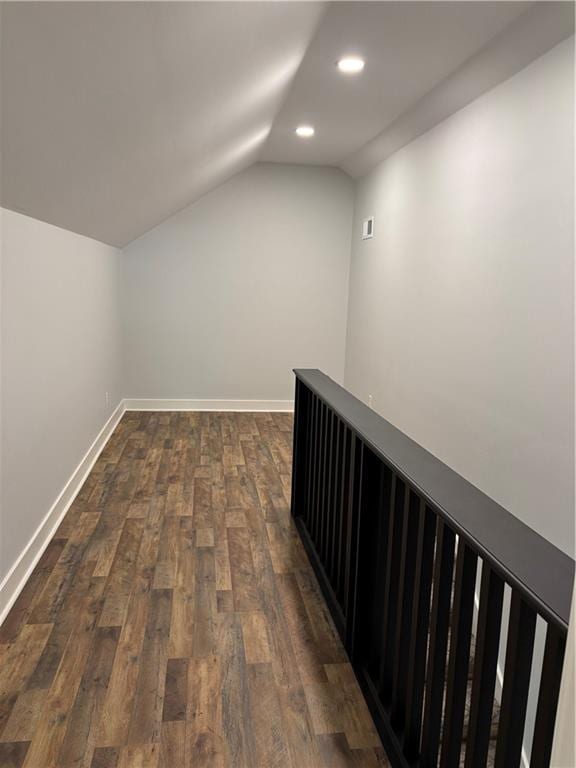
{"points": [[351, 65], [305, 131]]}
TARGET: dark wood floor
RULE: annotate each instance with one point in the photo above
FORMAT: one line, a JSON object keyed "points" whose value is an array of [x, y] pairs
{"points": [[174, 619]]}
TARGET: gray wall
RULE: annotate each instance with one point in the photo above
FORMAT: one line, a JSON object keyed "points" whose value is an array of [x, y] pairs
{"points": [[461, 313], [59, 344], [223, 299]]}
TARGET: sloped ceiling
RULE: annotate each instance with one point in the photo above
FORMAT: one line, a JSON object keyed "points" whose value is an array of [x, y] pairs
{"points": [[408, 47], [116, 115]]}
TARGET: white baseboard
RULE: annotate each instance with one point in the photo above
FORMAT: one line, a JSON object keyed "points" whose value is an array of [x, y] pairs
{"points": [[18, 575], [151, 404]]}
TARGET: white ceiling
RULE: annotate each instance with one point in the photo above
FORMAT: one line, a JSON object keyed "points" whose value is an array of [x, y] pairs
{"points": [[116, 115]]}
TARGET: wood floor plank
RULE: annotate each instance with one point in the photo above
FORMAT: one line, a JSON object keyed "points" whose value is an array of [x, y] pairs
{"points": [[283, 656], [244, 584], [149, 695], [105, 757], [64, 622], [266, 724], [204, 724], [51, 730], [297, 725], [117, 707], [319, 619], [282, 550], [107, 553], [13, 754], [173, 744], [204, 537], [324, 707], [175, 690], [174, 621], [337, 753], [7, 703], [18, 660], [120, 581], [79, 740], [256, 635], [180, 643], [309, 654], [222, 565], [357, 723], [236, 715], [202, 630], [139, 756], [225, 601], [25, 715]]}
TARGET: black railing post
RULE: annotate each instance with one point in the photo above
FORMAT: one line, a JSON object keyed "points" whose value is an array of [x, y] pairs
{"points": [[419, 636], [353, 541], [519, 650], [439, 624], [299, 449], [485, 668], [548, 698], [459, 658]]}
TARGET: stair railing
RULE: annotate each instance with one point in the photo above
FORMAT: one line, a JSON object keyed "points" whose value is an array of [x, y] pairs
{"points": [[425, 576]]}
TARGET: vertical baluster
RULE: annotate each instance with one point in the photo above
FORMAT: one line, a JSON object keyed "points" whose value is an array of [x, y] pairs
{"points": [[297, 417], [461, 632], [378, 512], [309, 468], [298, 497], [346, 459], [405, 602], [485, 667], [318, 488], [419, 636], [376, 483], [339, 520], [333, 495], [439, 625], [390, 607], [313, 465], [352, 539], [548, 697], [326, 538], [519, 650], [318, 471], [335, 501], [324, 485]]}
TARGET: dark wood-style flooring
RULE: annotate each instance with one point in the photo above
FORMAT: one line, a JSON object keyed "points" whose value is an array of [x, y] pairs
{"points": [[174, 619]]}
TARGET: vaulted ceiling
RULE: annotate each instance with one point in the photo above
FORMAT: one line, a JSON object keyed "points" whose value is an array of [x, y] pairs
{"points": [[115, 115]]}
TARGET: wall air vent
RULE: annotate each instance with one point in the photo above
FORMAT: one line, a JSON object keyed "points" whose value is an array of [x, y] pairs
{"points": [[368, 228]]}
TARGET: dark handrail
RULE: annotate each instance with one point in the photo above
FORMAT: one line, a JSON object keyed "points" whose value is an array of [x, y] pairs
{"points": [[541, 571]]}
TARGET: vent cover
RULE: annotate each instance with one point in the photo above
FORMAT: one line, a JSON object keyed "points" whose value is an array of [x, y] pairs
{"points": [[368, 228]]}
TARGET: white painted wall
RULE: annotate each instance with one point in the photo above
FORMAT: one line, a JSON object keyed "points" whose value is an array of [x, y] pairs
{"points": [[461, 319], [224, 299], [59, 355]]}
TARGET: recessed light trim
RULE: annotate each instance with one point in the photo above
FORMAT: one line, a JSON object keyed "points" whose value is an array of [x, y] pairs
{"points": [[305, 131], [351, 65]]}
